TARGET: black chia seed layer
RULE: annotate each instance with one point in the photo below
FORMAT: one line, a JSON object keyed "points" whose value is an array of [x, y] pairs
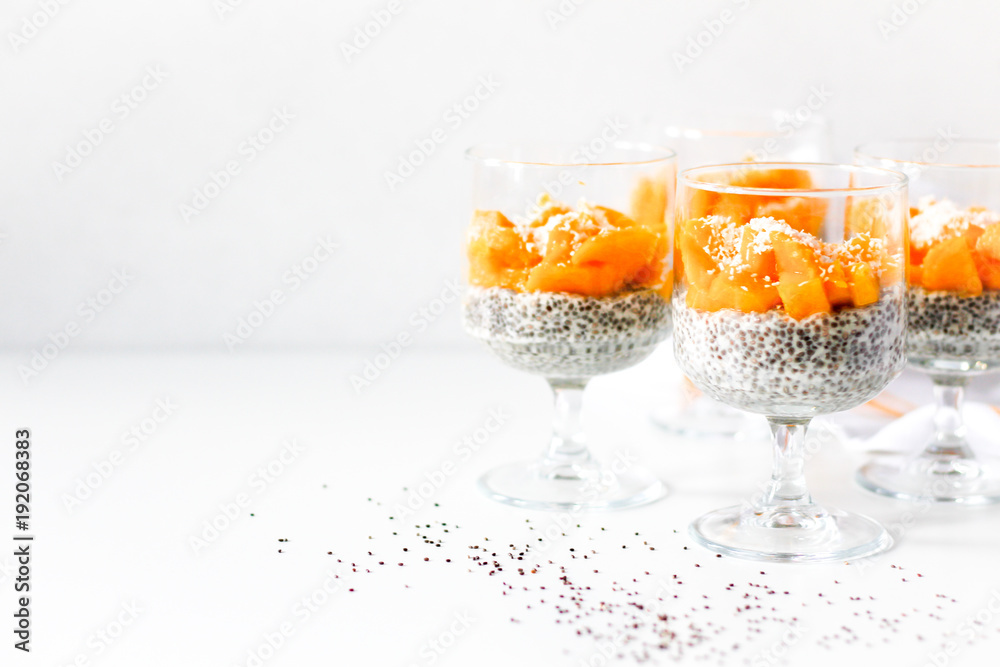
{"points": [[772, 364], [945, 327], [567, 336]]}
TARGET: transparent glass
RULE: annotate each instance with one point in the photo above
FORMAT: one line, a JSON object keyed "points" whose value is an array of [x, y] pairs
{"points": [[789, 302], [799, 135], [569, 278], [954, 317]]}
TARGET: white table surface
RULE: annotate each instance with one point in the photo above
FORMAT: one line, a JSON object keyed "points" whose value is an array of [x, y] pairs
{"points": [[128, 546]]}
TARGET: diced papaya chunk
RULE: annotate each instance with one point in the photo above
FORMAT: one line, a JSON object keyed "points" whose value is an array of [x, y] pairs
{"points": [[782, 179], [916, 275], [698, 299], [632, 247], [498, 256], [755, 296], [835, 283], [803, 298], [757, 260], [722, 293], [949, 266], [799, 285], [865, 248], [988, 245], [650, 200], [863, 284], [559, 247], [615, 218], [563, 278], [866, 215], [793, 257], [490, 219], [801, 213], [988, 270], [699, 268], [972, 234], [700, 204]]}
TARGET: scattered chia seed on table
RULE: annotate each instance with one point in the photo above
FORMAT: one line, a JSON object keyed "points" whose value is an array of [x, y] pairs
{"points": [[772, 364], [567, 335], [636, 608]]}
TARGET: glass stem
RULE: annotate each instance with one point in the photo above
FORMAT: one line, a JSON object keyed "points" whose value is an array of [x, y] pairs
{"points": [[788, 482], [569, 444], [949, 426]]}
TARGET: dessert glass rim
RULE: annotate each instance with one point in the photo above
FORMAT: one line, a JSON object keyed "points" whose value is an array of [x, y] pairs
{"points": [[491, 154], [719, 127], [871, 151], [895, 180]]}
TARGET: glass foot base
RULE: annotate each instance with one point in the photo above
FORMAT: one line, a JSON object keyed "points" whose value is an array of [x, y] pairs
{"points": [[933, 479], [963, 475], [564, 487], [809, 534], [707, 419]]}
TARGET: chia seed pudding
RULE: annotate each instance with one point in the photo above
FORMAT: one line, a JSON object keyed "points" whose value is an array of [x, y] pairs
{"points": [[951, 332], [772, 364], [567, 336]]}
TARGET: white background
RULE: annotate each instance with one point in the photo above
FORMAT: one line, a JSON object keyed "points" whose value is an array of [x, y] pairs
{"points": [[129, 540], [324, 175]]}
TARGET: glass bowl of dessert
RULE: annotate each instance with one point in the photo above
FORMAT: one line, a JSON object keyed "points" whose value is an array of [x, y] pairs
{"points": [[954, 319], [569, 278], [789, 302], [799, 135]]}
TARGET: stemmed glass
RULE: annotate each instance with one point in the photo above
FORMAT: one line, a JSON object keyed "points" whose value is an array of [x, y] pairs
{"points": [[570, 277], [719, 138], [954, 317], [789, 301]]}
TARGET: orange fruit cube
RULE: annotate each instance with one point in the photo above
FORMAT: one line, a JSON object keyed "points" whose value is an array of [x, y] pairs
{"points": [[949, 266], [864, 284]]}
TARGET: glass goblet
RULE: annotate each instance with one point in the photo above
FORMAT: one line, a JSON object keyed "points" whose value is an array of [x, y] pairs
{"points": [[954, 318], [706, 139], [789, 301], [569, 278]]}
